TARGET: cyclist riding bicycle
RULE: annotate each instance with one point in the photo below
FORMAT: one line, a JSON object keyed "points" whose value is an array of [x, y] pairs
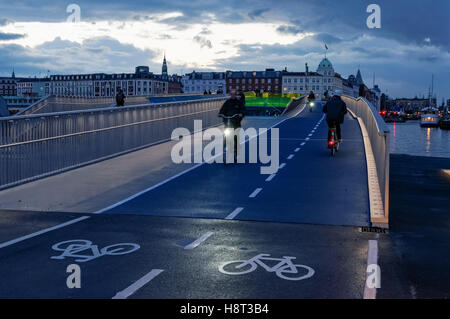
{"points": [[233, 106], [335, 109]]}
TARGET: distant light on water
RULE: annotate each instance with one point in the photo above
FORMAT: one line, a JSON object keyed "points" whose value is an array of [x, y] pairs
{"points": [[409, 138]]}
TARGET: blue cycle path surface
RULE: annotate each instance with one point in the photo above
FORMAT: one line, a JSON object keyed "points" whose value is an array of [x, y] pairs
{"points": [[312, 187]]}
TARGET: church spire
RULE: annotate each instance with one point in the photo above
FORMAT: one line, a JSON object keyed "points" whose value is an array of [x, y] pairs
{"points": [[164, 66], [13, 74]]}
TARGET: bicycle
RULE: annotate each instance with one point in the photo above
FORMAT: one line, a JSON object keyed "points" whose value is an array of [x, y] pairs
{"points": [[283, 267], [73, 249], [227, 132], [333, 142]]}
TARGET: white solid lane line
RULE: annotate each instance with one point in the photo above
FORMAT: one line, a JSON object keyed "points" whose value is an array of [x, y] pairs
{"points": [[43, 231], [268, 179], [234, 213], [127, 292], [290, 157], [149, 189], [198, 241], [255, 193], [372, 259]]}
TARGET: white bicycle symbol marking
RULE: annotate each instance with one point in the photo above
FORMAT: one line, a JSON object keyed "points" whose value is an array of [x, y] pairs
{"points": [[281, 269], [75, 248]]}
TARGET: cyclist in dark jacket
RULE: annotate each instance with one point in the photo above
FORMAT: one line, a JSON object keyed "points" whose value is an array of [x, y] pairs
{"points": [[335, 109], [231, 107], [241, 98], [120, 98]]}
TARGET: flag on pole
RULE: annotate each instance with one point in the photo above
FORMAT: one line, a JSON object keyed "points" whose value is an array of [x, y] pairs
{"points": [[326, 47]]}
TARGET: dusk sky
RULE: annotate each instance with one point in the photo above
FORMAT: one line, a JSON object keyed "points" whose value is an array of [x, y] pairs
{"points": [[115, 36]]}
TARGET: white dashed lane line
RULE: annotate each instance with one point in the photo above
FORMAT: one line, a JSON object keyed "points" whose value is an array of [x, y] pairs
{"points": [[297, 149], [255, 193], [268, 179], [282, 165], [290, 157], [234, 213], [198, 241], [302, 144]]}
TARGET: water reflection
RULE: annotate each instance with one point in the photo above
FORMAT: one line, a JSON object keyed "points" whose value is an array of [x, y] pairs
{"points": [[427, 148], [410, 138]]}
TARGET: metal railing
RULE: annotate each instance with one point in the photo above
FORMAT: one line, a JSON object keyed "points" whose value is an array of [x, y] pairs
{"points": [[35, 146], [51, 103], [378, 133], [294, 104]]}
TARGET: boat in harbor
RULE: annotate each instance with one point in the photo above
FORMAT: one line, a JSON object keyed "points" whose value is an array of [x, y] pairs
{"points": [[429, 117], [444, 124]]}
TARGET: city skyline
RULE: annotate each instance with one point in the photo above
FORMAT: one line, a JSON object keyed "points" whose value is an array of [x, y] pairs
{"points": [[242, 35]]}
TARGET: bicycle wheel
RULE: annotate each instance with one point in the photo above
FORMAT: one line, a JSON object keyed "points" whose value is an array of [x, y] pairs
{"points": [[224, 150], [120, 249], [235, 269], [74, 244], [288, 270]]}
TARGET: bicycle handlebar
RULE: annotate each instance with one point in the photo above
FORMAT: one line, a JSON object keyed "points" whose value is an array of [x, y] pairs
{"points": [[228, 117]]}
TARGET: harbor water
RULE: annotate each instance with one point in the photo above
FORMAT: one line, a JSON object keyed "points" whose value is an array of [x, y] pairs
{"points": [[412, 139]]}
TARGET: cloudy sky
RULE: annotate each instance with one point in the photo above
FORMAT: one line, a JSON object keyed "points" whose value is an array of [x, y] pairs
{"points": [[115, 36]]}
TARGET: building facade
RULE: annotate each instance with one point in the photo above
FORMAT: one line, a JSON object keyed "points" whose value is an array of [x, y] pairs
{"points": [[258, 81], [141, 83], [8, 86], [199, 82], [415, 104], [325, 79], [33, 87]]}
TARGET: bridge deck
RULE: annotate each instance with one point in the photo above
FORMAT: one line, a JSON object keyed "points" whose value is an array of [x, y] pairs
{"points": [[311, 188]]}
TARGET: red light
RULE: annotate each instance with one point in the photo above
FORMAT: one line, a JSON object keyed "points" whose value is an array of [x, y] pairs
{"points": [[331, 142], [395, 113]]}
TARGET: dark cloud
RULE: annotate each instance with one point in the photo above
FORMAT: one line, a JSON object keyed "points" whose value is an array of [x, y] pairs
{"points": [[327, 38], [10, 36], [257, 13], [203, 41], [289, 29], [5, 21], [100, 54], [394, 49]]}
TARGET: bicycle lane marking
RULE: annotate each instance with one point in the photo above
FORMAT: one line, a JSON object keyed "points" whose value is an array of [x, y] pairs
{"points": [[76, 246], [284, 265]]}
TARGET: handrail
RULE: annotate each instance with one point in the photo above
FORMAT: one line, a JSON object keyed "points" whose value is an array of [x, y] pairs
{"points": [[109, 108], [378, 136]]}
